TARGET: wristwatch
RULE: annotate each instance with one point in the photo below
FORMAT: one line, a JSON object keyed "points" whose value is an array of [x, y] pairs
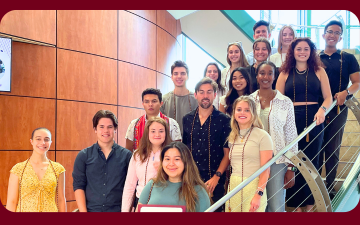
{"points": [[218, 173], [292, 168], [348, 92], [260, 193]]}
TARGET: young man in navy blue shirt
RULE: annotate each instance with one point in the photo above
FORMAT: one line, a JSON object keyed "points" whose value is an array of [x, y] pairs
{"points": [[100, 170]]}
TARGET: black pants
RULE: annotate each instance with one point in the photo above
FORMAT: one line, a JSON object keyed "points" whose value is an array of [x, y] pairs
{"points": [[311, 151], [333, 131], [219, 190]]}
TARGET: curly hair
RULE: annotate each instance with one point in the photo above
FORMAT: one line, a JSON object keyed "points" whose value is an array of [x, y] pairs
{"points": [[313, 62]]}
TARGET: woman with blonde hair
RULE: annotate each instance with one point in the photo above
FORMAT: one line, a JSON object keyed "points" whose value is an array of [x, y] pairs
{"points": [[235, 57], [286, 36], [145, 160], [250, 148], [177, 182], [37, 184]]}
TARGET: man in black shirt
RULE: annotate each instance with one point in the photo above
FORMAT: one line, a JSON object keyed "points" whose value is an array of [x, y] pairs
{"points": [[205, 132], [340, 68], [100, 170]]}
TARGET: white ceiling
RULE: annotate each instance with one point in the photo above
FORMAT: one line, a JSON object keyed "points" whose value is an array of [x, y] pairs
{"points": [[177, 14]]}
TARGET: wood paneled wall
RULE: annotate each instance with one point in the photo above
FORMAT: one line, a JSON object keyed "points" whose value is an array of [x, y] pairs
{"points": [[101, 60]]}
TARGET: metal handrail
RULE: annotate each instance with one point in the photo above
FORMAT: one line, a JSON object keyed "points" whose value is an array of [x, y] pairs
{"points": [[226, 197]]}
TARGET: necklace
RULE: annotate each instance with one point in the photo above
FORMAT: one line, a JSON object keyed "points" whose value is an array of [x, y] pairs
{"points": [[243, 136], [242, 166], [191, 139], [272, 96], [175, 104], [298, 72], [307, 73]]}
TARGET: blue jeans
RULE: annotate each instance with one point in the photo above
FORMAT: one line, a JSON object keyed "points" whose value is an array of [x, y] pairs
{"points": [[276, 202]]}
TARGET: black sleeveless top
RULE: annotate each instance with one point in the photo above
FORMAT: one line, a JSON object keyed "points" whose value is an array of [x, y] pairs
{"points": [[313, 86]]}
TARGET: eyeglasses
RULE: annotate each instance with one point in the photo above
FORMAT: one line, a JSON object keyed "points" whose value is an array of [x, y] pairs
{"points": [[337, 33], [238, 43]]}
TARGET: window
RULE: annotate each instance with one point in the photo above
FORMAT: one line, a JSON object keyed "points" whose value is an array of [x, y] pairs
{"points": [[196, 59]]}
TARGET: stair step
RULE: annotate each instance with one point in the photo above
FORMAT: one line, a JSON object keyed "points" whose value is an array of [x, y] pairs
{"points": [[350, 139], [338, 183], [340, 170], [352, 126], [346, 153]]}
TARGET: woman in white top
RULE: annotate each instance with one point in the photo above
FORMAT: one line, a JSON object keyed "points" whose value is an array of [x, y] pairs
{"points": [[286, 36], [145, 161], [212, 71], [235, 57], [250, 148], [277, 115]]}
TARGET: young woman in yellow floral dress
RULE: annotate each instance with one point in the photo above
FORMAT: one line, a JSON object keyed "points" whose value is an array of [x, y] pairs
{"points": [[37, 184]]}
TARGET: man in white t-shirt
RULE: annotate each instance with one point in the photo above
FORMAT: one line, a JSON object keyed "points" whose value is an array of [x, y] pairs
{"points": [[152, 101], [261, 29]]}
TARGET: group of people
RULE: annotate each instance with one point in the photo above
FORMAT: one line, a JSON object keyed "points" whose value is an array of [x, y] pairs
{"points": [[191, 148]]}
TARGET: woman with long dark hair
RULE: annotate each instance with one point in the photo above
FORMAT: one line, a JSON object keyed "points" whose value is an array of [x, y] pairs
{"points": [[239, 84], [304, 81], [145, 160], [212, 71], [37, 184], [177, 182], [235, 57]]}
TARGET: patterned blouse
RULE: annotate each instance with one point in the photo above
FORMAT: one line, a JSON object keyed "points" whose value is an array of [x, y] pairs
{"points": [[282, 123], [37, 195]]}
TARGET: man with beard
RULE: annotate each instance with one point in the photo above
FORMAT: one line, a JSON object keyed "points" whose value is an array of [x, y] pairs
{"points": [[205, 132]]}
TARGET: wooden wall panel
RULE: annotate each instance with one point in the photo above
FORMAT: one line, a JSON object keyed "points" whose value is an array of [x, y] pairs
{"points": [[86, 77], [92, 31], [133, 80], [166, 51], [137, 40], [20, 116], [71, 206], [126, 115], [164, 83], [67, 159], [147, 14], [8, 159], [166, 21], [74, 124], [33, 70], [39, 25]]}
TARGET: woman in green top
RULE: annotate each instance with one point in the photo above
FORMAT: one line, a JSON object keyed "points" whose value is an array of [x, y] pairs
{"points": [[178, 181]]}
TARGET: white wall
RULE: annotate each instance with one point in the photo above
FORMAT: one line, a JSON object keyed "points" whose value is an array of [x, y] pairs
{"points": [[212, 31]]}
